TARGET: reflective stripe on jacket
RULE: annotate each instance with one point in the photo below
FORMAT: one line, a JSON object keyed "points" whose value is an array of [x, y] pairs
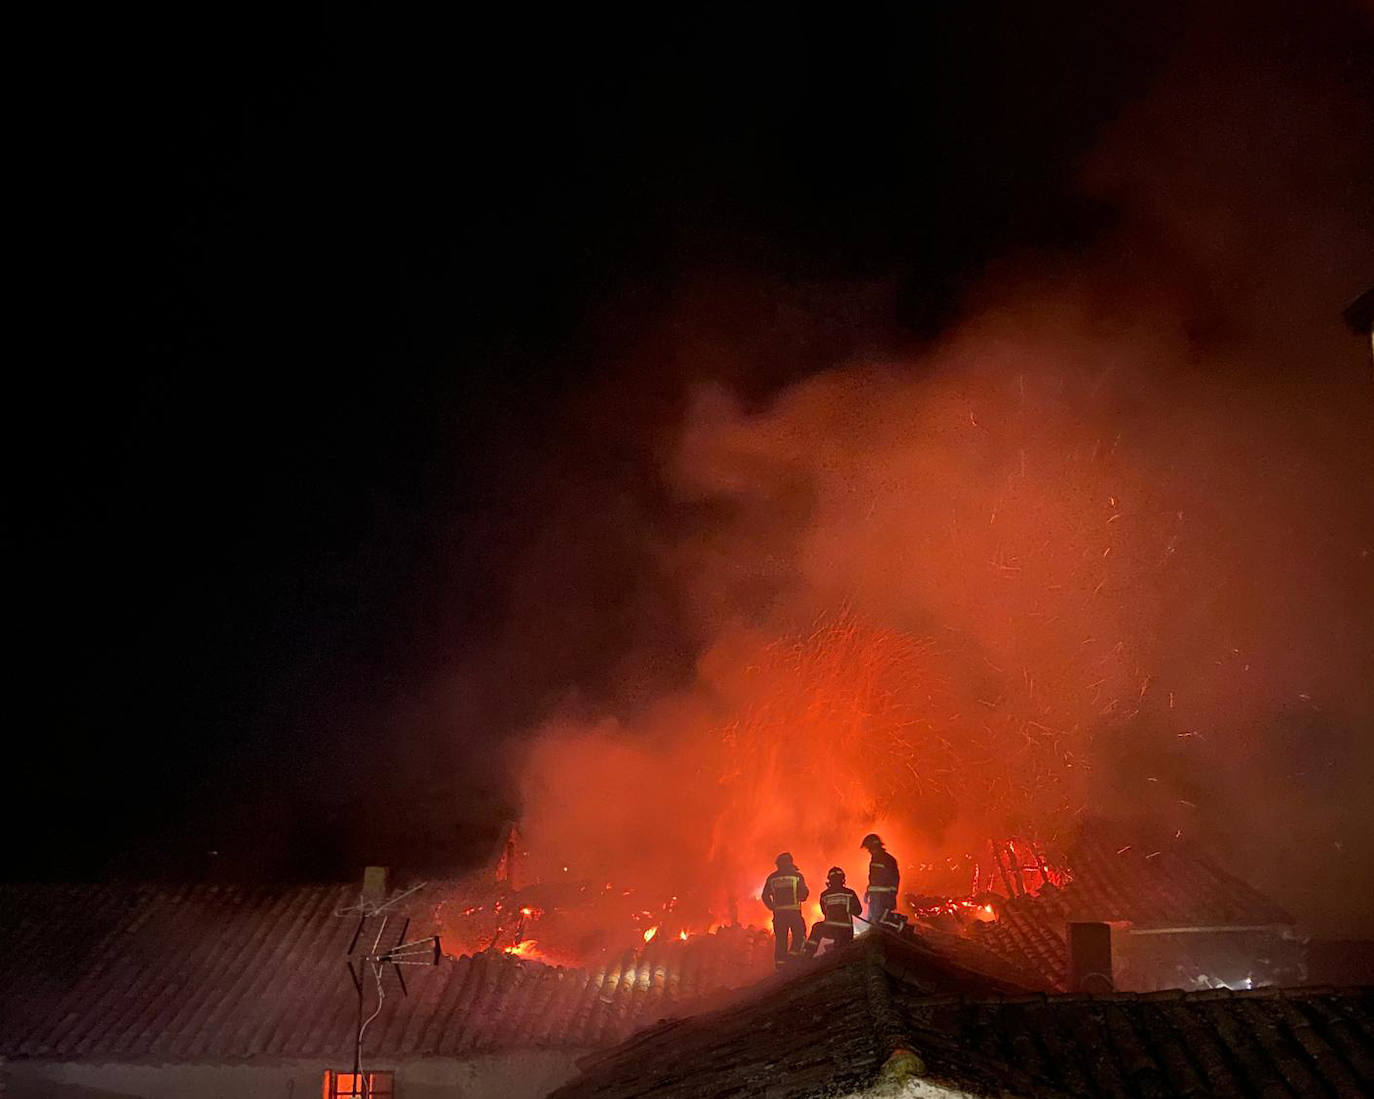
{"points": [[784, 890], [840, 905], [883, 875]]}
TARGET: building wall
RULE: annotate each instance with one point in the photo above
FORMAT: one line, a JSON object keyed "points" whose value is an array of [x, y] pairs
{"points": [[530, 1074], [1145, 962], [1340, 962]]}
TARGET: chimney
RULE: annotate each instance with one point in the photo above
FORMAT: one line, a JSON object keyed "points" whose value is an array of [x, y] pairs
{"points": [[1090, 957], [376, 884]]}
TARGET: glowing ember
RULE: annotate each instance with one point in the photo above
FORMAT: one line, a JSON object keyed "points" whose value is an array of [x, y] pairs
{"points": [[682, 935], [650, 933]]}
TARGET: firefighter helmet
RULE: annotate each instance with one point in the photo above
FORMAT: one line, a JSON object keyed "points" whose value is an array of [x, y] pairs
{"points": [[785, 859], [835, 876], [872, 840]]}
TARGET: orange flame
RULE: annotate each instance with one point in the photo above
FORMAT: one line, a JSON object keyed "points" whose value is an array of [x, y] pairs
{"points": [[649, 934]]}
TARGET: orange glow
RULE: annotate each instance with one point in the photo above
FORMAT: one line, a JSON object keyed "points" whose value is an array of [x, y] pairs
{"points": [[808, 743], [812, 743], [935, 647], [346, 1085]]}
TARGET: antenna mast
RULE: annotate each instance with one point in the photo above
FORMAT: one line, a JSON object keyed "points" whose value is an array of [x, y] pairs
{"points": [[423, 951]]}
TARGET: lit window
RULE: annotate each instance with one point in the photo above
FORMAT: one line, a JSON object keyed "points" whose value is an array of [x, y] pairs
{"points": [[365, 1085]]}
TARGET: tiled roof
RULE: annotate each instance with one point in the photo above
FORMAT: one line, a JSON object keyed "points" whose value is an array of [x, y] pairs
{"points": [[210, 973], [1270, 1042], [938, 960], [1169, 883], [822, 1030], [1148, 888], [837, 1028], [1031, 932]]}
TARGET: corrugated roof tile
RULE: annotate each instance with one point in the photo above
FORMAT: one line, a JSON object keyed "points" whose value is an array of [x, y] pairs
{"points": [[211, 972]]}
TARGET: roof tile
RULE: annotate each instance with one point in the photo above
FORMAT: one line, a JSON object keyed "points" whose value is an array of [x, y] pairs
{"points": [[1296, 1042], [212, 973]]}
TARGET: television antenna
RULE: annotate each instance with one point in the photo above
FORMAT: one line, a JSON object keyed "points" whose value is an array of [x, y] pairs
{"points": [[423, 951]]}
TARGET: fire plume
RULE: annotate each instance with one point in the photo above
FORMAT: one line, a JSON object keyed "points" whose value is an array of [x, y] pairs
{"points": [[811, 742], [954, 606]]}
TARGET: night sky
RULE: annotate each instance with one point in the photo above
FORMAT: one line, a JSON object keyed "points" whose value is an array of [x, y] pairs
{"points": [[348, 316]]}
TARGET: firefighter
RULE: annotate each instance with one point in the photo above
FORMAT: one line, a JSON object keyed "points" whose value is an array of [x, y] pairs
{"points": [[882, 878], [783, 893], [839, 906]]}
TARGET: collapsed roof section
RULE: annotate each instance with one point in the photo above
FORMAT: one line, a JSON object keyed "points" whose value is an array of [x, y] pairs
{"points": [[1182, 920]]}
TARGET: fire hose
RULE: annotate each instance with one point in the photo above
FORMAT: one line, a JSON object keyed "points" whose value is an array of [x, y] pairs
{"points": [[876, 923]]}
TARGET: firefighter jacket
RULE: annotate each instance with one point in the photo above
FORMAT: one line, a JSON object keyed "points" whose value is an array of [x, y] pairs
{"points": [[784, 890], [882, 873], [840, 904]]}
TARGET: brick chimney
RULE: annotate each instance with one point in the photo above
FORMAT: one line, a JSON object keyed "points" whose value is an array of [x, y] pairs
{"points": [[1090, 957], [376, 884]]}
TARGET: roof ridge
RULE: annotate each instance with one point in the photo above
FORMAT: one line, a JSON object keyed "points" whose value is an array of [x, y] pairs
{"points": [[897, 1051], [878, 997]]}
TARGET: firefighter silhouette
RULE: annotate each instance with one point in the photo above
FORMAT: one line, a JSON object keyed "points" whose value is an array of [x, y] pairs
{"points": [[882, 878], [839, 906], [783, 892]]}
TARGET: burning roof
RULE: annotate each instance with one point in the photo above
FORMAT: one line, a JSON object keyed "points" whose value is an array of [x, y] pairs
{"points": [[1171, 883], [209, 972], [1175, 887], [212, 972]]}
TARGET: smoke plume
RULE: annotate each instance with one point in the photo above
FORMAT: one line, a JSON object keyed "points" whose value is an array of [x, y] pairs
{"points": [[1103, 547]]}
